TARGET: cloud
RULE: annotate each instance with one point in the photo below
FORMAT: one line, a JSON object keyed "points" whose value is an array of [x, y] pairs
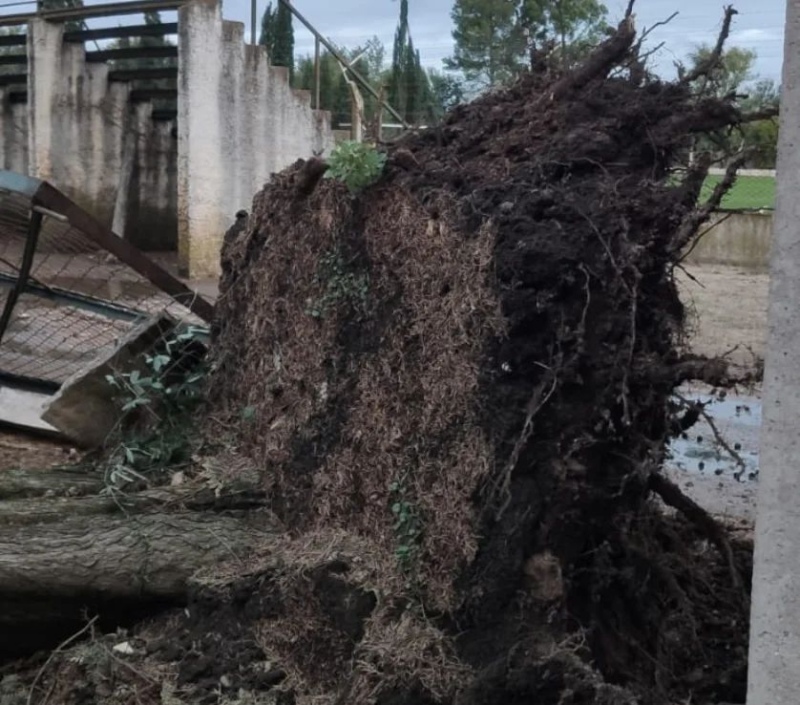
{"points": [[755, 35]]}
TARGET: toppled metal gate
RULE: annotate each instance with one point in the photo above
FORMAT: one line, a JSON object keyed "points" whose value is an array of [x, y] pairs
{"points": [[70, 288]]}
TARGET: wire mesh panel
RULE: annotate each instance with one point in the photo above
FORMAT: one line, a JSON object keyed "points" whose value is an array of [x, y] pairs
{"points": [[66, 298]]}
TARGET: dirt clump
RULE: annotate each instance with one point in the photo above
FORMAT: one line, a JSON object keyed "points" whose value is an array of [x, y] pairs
{"points": [[467, 369]]}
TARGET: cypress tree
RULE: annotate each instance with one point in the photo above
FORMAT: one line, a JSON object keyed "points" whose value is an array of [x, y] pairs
{"points": [[277, 34]]}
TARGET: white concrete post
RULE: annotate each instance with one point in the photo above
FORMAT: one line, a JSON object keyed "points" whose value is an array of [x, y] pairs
{"points": [[202, 142], [774, 666], [44, 63]]}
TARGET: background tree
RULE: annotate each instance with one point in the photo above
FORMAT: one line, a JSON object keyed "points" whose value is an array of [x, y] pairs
{"points": [[333, 91], [277, 34], [493, 38], [409, 91], [735, 75], [733, 71], [72, 25], [574, 25], [147, 62], [487, 49], [447, 90]]}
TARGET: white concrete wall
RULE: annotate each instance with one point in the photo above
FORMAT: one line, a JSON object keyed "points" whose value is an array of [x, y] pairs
{"points": [[152, 212], [239, 122], [736, 239], [84, 136], [76, 120]]}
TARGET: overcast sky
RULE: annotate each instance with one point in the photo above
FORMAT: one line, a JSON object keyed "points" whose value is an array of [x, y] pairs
{"points": [[759, 25]]}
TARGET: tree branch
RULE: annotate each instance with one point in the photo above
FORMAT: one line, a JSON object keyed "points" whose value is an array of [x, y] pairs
{"points": [[696, 218], [763, 114], [704, 68], [600, 61]]}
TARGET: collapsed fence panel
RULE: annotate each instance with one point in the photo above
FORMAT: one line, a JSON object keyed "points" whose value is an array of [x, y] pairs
{"points": [[70, 288]]}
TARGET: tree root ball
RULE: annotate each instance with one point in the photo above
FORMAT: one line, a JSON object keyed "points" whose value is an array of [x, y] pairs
{"points": [[469, 368]]}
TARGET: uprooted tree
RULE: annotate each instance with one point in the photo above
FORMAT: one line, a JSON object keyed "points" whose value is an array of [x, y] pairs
{"points": [[456, 386]]}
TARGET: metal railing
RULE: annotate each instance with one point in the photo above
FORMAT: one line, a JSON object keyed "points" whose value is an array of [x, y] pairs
{"points": [[320, 40]]}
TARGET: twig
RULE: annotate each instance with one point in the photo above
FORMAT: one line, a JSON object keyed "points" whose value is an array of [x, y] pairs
{"points": [[691, 276], [649, 30], [701, 408], [703, 68], [63, 645], [696, 241], [700, 215], [133, 670], [538, 399]]}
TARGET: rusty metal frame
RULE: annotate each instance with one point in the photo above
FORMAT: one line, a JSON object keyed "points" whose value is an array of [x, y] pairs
{"points": [[44, 201], [52, 199], [44, 196]]}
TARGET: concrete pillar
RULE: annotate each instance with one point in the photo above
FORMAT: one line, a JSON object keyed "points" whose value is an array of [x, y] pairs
{"points": [[201, 138], [76, 120], [239, 121], [774, 666]]}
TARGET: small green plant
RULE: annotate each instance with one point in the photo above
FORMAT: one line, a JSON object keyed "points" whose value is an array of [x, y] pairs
{"points": [[340, 286], [356, 164], [407, 526], [157, 401]]}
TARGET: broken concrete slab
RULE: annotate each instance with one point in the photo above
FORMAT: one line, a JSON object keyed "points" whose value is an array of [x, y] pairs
{"points": [[84, 409], [22, 408]]}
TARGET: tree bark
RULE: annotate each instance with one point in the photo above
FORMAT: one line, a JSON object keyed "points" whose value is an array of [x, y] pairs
{"points": [[64, 556], [142, 556], [18, 484]]}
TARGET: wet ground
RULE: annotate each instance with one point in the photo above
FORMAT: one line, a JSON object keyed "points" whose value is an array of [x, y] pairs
{"points": [[716, 462]]}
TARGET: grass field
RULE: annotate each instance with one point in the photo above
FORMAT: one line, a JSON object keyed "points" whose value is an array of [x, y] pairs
{"points": [[748, 193]]}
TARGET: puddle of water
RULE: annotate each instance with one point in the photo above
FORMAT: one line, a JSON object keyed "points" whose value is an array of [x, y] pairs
{"points": [[738, 420]]}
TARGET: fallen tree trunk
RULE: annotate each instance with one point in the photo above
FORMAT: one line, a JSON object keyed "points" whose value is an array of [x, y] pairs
{"points": [[17, 484], [65, 557], [136, 557], [47, 509]]}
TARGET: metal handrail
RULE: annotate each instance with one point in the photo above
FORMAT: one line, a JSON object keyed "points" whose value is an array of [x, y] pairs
{"points": [[319, 39]]}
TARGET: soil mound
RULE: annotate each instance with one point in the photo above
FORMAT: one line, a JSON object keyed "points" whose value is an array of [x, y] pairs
{"points": [[467, 370]]}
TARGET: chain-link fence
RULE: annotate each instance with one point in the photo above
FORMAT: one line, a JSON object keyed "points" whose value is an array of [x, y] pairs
{"points": [[754, 190]]}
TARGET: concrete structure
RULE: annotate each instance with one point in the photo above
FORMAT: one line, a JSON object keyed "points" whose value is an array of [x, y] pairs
{"points": [[239, 122], [736, 239], [76, 120], [161, 182], [774, 676], [13, 133]]}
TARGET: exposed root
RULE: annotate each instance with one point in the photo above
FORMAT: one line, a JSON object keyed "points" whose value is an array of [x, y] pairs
{"points": [[675, 498]]}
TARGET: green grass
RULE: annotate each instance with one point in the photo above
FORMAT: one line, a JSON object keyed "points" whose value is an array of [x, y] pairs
{"points": [[748, 193]]}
